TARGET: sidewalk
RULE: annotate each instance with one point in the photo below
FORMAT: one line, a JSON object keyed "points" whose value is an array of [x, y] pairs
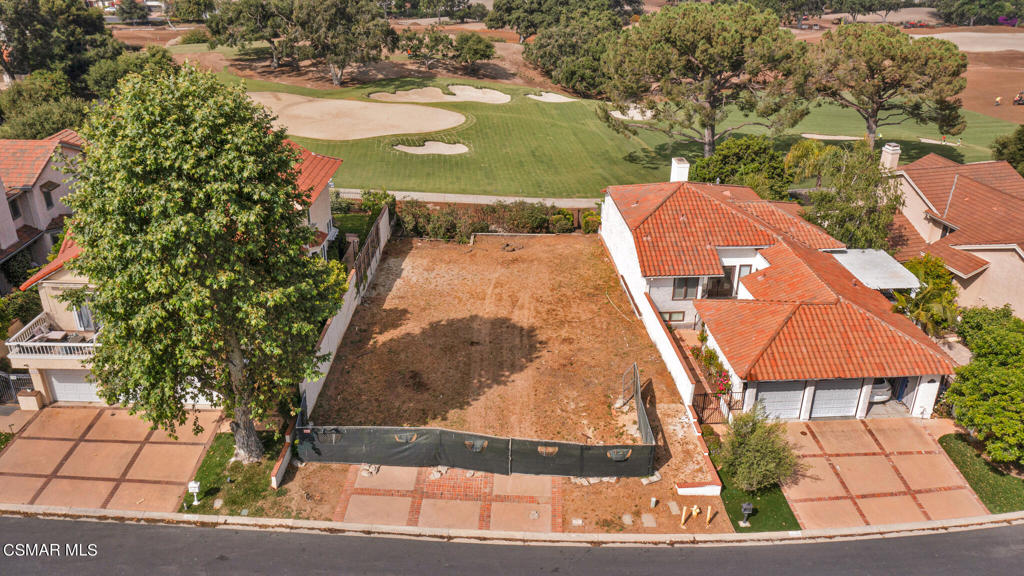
{"points": [[435, 198]]}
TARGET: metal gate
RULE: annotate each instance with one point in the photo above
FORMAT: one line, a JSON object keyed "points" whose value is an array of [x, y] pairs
{"points": [[11, 384], [712, 409]]}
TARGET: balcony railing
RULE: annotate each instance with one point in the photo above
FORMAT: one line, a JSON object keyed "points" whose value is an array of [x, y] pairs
{"points": [[41, 339]]}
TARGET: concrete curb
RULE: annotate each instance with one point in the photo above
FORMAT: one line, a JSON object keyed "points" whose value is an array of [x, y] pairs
{"points": [[499, 537]]}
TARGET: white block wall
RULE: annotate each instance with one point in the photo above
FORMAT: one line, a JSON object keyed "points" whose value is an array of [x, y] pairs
{"points": [[619, 241]]}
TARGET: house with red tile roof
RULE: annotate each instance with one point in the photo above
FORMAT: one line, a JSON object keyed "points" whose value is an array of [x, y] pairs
{"points": [[33, 187], [971, 216], [796, 330], [56, 346]]}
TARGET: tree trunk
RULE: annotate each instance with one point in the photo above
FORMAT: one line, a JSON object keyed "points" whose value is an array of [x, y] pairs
{"points": [[275, 60], [709, 141], [872, 126], [248, 448], [336, 73]]}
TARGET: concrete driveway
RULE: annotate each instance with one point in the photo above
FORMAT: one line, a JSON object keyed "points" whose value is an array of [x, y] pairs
{"points": [[875, 471], [93, 457]]}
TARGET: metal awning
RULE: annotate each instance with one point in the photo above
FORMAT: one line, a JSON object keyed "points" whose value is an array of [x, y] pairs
{"points": [[876, 269]]}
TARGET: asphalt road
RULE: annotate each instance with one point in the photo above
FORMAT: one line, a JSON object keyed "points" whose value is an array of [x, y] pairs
{"points": [[153, 550]]}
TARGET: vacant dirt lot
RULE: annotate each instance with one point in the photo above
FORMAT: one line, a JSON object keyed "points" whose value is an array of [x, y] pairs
{"points": [[528, 343]]}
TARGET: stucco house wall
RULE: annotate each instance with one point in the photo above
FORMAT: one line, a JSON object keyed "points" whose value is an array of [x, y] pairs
{"points": [[1001, 283]]}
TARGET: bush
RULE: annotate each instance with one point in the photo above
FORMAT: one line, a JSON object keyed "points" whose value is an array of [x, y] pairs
{"points": [[590, 222], [374, 200], [757, 453], [977, 321], [340, 205], [561, 222], [414, 216], [748, 161], [17, 268], [519, 217], [19, 305], [441, 224], [195, 36], [711, 439]]}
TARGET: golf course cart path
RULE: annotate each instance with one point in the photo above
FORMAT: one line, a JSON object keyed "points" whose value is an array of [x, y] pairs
{"points": [[431, 94], [335, 119]]}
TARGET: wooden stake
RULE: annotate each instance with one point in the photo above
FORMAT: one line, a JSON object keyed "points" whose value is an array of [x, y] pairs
{"points": [[711, 514], [682, 521]]}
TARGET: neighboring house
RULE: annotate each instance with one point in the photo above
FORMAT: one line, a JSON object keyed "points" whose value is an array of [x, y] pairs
{"points": [[796, 330], [57, 345], [971, 216], [32, 213]]}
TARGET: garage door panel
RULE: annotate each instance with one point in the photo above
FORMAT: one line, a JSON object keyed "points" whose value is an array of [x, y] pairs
{"points": [[781, 399], [72, 386], [836, 398]]}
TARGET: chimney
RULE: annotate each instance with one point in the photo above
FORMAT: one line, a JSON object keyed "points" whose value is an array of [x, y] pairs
{"points": [[890, 156], [680, 170]]}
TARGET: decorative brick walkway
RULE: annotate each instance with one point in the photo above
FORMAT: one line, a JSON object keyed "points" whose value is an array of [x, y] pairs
{"points": [[483, 501], [882, 471], [92, 457]]}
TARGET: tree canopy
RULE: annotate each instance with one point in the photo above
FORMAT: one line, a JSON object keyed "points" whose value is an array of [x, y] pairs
{"points": [[933, 305], [748, 161], [889, 77], [471, 48], [38, 106], [191, 10], [132, 11], [977, 12], [61, 35], [243, 22], [344, 32], [194, 241], [1011, 148], [104, 75], [857, 200], [528, 17], [570, 51], [988, 394], [429, 47], [690, 66]]}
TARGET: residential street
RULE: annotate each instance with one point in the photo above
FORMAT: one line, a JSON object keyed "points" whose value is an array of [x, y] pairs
{"points": [[129, 549]]}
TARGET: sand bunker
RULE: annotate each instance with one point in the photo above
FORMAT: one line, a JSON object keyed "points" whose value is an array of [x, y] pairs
{"points": [[432, 94], [327, 119], [634, 113], [550, 97], [811, 136], [433, 147]]}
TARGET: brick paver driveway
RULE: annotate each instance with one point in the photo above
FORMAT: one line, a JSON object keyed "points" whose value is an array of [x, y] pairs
{"points": [[477, 500], [92, 457], [875, 471]]}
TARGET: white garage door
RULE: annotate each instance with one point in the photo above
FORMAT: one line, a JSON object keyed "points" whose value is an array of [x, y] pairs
{"points": [[835, 398], [72, 386], [781, 399]]}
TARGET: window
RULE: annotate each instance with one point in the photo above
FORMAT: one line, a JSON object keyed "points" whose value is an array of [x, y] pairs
{"points": [[48, 189], [15, 208], [722, 286], [744, 270], [84, 317], [684, 288], [673, 316], [945, 231]]}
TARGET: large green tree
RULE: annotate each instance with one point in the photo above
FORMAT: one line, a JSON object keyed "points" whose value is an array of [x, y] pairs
{"points": [[933, 305], [344, 32], [38, 106], [1011, 148], [889, 77], [104, 75], [132, 11], [429, 47], [972, 12], [243, 22], [857, 200], [988, 394], [748, 161], [570, 51], [62, 35], [470, 48], [194, 240], [191, 10], [690, 66], [528, 17]]}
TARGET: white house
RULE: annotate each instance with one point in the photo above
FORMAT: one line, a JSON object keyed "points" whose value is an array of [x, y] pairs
{"points": [[795, 329]]}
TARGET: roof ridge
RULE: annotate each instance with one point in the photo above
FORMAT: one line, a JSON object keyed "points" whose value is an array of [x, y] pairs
{"points": [[658, 205], [753, 219], [813, 271], [768, 341], [949, 199], [941, 356]]}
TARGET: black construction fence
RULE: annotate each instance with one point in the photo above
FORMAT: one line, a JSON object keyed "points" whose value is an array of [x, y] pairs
{"points": [[428, 447]]}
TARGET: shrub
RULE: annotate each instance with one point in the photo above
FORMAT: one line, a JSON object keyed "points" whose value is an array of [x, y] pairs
{"points": [[195, 36], [340, 205], [442, 223], [976, 321], [590, 222], [17, 268], [468, 224], [561, 222], [19, 305], [414, 216], [711, 439], [374, 200], [520, 216], [757, 453]]}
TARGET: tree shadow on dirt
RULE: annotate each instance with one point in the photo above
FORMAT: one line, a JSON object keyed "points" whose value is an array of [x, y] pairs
{"points": [[419, 378]]}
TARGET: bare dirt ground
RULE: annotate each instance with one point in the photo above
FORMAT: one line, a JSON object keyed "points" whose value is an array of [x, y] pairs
{"points": [[529, 343], [309, 493], [149, 35], [993, 74]]}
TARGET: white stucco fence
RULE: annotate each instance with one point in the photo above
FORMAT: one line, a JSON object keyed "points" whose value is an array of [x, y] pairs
{"points": [[619, 241]]}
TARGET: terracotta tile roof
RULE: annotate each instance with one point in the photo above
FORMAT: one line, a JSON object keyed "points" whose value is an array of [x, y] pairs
{"points": [[783, 221], [68, 251], [22, 161], [26, 235], [904, 240], [315, 171], [984, 201], [318, 239], [831, 326]]}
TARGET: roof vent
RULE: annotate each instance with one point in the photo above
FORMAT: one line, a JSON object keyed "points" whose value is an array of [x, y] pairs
{"points": [[635, 203]]}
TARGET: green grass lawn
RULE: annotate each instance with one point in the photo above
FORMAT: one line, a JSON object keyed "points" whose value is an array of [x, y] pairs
{"points": [[353, 223], [771, 511], [250, 486], [530, 148], [999, 491]]}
